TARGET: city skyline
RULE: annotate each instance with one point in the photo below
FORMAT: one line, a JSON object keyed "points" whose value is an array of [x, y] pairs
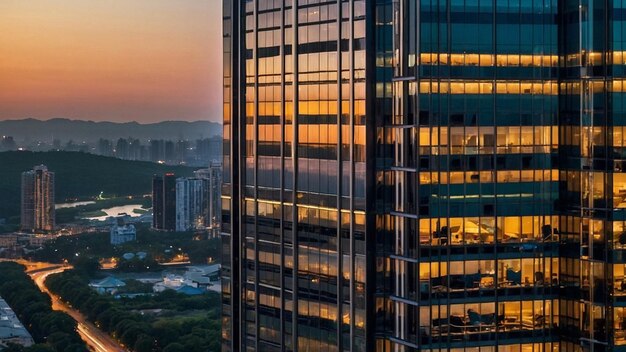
{"points": [[143, 61]]}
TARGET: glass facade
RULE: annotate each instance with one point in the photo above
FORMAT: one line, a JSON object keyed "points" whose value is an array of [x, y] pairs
{"points": [[406, 175], [475, 255], [297, 175]]}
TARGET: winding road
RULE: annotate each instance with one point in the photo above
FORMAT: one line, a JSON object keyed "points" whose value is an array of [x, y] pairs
{"points": [[96, 339]]}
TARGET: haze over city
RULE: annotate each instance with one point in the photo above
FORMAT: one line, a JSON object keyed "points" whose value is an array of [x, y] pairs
{"points": [[140, 60], [110, 175]]}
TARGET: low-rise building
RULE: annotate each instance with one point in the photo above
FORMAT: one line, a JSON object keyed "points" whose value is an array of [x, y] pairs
{"points": [[203, 274], [110, 285], [122, 232], [11, 329], [39, 240], [8, 240]]}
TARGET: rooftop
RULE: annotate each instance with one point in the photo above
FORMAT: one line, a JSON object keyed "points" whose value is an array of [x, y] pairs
{"points": [[11, 329], [108, 282]]}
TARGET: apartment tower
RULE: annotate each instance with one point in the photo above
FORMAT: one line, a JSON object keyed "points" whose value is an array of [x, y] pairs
{"points": [[37, 210], [213, 175], [192, 204]]}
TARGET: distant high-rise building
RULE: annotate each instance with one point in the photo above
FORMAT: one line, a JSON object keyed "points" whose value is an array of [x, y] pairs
{"points": [[157, 150], [182, 151], [164, 202], [170, 152], [143, 153], [202, 151], [169, 202], [37, 199], [157, 202], [214, 176], [7, 143], [192, 206], [215, 195], [105, 147], [134, 149], [121, 149], [56, 144]]}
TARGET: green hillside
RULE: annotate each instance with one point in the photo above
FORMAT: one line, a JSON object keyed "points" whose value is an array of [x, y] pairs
{"points": [[78, 175]]}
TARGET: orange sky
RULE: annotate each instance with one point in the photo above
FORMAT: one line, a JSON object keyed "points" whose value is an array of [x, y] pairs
{"points": [[114, 60]]}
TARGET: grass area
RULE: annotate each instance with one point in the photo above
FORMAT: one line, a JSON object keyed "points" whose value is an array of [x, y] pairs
{"points": [[78, 176]]}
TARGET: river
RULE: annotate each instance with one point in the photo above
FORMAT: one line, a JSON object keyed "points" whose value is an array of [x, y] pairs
{"points": [[73, 205], [115, 211]]}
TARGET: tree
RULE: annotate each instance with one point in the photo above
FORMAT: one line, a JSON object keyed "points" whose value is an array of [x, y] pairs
{"points": [[174, 347], [40, 348], [194, 343], [76, 347], [86, 265], [11, 347], [98, 306], [58, 322], [166, 333], [30, 311], [130, 335], [104, 319], [60, 341], [145, 343]]}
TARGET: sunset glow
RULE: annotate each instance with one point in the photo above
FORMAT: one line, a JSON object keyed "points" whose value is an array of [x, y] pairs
{"points": [[143, 60]]}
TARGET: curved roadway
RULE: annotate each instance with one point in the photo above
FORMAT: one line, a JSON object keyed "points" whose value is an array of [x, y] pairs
{"points": [[96, 339]]}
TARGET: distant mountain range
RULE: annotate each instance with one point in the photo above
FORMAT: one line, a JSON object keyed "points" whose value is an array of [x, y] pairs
{"points": [[32, 130]]}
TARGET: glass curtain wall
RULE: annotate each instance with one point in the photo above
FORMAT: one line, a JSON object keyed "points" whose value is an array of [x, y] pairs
{"points": [[475, 250], [296, 234], [616, 69]]}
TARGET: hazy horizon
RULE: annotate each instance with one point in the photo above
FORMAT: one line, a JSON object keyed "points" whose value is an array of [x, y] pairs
{"points": [[143, 60], [105, 121]]}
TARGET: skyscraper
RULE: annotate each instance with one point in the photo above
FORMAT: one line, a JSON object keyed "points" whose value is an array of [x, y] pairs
{"points": [[475, 252], [432, 175], [192, 204], [7, 143], [37, 213], [213, 175], [164, 202], [157, 151], [299, 172], [121, 149], [157, 202], [169, 201], [215, 195]]}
